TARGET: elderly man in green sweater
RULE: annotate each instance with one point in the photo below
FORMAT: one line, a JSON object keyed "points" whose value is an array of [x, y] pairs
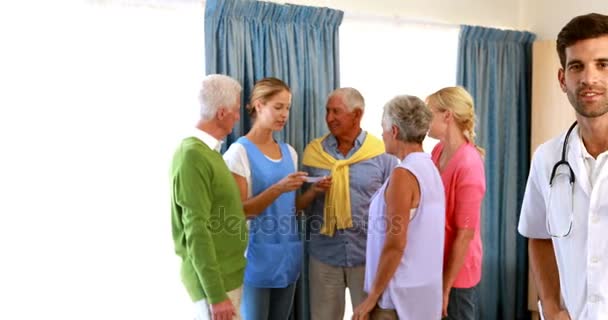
{"points": [[209, 229]]}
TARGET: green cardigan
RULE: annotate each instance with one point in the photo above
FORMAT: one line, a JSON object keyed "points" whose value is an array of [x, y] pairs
{"points": [[208, 223]]}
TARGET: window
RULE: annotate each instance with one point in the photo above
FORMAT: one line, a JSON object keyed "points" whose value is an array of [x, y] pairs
{"points": [[386, 57]]}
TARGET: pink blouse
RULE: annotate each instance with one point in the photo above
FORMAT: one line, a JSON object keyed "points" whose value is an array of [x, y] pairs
{"points": [[465, 185]]}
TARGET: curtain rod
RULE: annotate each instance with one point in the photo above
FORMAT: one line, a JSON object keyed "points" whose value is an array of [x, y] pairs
{"points": [[396, 19], [379, 18]]}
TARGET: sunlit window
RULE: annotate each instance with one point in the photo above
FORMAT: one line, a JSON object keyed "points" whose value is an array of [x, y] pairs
{"points": [[385, 57]]}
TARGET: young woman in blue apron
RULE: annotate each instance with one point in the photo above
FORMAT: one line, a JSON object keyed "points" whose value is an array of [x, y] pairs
{"points": [[265, 171]]}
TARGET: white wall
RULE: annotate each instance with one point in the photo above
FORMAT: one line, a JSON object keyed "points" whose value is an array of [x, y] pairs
{"points": [[543, 17], [496, 13], [547, 17]]}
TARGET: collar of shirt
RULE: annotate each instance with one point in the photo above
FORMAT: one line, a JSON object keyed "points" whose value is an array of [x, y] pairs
{"points": [[584, 152], [593, 165], [331, 143], [207, 139]]}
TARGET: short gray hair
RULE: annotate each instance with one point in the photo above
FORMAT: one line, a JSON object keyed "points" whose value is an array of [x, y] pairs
{"points": [[410, 115], [351, 97], [217, 91]]}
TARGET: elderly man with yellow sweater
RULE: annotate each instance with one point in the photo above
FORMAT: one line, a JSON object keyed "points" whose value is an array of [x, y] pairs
{"points": [[358, 166], [208, 223]]}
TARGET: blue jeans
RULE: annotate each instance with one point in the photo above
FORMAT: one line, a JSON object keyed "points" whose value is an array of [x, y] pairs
{"points": [[267, 303], [463, 304]]}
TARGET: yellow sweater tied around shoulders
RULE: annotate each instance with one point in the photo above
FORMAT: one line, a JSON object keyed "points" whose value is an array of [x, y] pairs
{"points": [[337, 211]]}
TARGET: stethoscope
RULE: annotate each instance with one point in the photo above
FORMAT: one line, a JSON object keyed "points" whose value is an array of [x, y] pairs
{"points": [[562, 162]]}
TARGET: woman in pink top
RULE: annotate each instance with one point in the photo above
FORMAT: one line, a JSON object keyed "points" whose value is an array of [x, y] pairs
{"points": [[460, 163]]}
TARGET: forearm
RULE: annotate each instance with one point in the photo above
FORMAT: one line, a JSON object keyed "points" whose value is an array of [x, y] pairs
{"points": [[455, 259], [255, 205], [303, 200], [545, 273], [389, 261], [201, 250]]}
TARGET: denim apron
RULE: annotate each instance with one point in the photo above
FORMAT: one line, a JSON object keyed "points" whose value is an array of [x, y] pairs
{"points": [[274, 252]]}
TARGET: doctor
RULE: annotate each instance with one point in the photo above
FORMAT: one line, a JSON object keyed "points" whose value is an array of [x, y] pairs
{"points": [[565, 207]]}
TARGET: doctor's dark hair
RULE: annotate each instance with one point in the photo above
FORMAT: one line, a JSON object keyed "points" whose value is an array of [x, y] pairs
{"points": [[460, 102], [264, 90], [583, 27]]}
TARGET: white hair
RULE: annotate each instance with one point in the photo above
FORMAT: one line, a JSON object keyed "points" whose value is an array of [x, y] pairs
{"points": [[410, 115], [351, 97], [217, 91]]}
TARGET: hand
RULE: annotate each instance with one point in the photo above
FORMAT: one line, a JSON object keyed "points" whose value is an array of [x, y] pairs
{"points": [[322, 185], [444, 306], [223, 310], [364, 309], [292, 182]]}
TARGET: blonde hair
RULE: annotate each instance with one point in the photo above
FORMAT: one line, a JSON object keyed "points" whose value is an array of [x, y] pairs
{"points": [[265, 89], [459, 101]]}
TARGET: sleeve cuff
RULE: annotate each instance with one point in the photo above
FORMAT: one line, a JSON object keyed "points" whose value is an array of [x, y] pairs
{"points": [[532, 234], [216, 297]]}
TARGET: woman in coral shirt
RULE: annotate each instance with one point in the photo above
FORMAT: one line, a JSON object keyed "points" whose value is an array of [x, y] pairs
{"points": [[460, 163]]}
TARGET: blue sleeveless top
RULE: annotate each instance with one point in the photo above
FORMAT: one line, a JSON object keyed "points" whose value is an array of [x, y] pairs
{"points": [[274, 252]]}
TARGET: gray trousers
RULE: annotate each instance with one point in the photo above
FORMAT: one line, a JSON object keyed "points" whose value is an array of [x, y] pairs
{"points": [[327, 289]]}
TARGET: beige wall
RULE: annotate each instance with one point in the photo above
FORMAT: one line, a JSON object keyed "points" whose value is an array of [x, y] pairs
{"points": [[551, 111]]}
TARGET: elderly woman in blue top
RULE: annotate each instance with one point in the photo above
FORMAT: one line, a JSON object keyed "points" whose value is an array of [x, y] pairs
{"points": [[265, 172], [403, 275]]}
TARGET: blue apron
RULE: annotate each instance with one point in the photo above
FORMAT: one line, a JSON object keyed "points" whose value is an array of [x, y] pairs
{"points": [[274, 252]]}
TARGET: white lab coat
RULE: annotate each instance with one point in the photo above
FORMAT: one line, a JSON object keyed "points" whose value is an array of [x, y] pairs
{"points": [[582, 256]]}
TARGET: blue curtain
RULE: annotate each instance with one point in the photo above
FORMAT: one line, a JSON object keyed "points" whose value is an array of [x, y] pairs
{"points": [[496, 67], [250, 40]]}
